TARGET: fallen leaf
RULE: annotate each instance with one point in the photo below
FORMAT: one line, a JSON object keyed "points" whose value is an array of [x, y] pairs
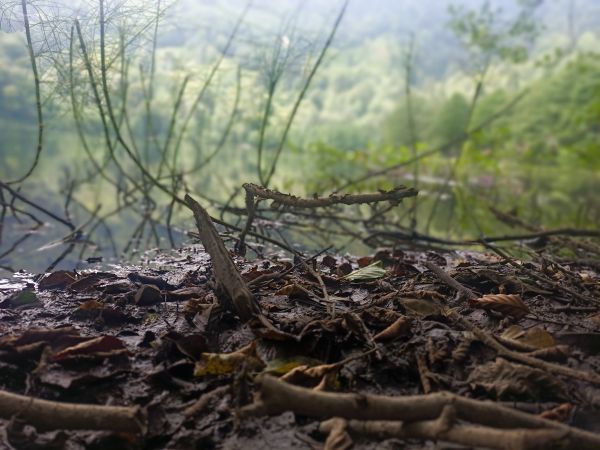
{"points": [[57, 280], [562, 413], [293, 290], [96, 310], [329, 261], [26, 298], [364, 261], [506, 304], [369, 273], [147, 295], [226, 363], [588, 342], [321, 377], [509, 380], [338, 438], [535, 337], [281, 366], [90, 281], [423, 308], [401, 327], [100, 346]]}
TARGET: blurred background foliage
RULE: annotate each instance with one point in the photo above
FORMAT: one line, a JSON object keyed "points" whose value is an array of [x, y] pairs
{"points": [[502, 98]]}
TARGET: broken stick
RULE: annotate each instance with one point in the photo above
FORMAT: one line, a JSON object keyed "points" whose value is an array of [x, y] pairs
{"points": [[229, 281], [275, 397], [393, 196], [50, 415]]}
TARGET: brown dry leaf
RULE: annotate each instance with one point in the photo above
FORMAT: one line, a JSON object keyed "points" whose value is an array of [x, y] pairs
{"points": [[225, 363], [96, 310], [147, 295], [57, 280], [561, 413], [510, 380], [507, 304], [535, 337], [90, 281], [323, 377], [100, 346], [312, 376], [401, 327], [420, 307], [364, 261], [292, 290], [329, 382], [338, 438]]}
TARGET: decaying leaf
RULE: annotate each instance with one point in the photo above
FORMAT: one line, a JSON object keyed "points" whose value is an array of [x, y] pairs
{"points": [[96, 310], [57, 280], [401, 327], [506, 304], [561, 413], [101, 346], [225, 363], [535, 338], [147, 295], [510, 380], [321, 377], [292, 290], [368, 273], [588, 342], [338, 438], [26, 298], [281, 366], [423, 308]]}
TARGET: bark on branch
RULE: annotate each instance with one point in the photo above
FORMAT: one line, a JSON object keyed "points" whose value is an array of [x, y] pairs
{"points": [[394, 196], [442, 430], [275, 397], [45, 414], [229, 281]]}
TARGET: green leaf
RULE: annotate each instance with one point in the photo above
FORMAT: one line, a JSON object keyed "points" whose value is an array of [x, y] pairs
{"points": [[368, 273], [25, 298]]}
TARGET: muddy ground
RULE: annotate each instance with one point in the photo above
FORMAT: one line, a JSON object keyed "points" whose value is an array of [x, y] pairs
{"points": [[152, 335]]}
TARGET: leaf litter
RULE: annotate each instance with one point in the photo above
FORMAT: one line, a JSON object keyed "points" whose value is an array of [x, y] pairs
{"points": [[157, 338]]}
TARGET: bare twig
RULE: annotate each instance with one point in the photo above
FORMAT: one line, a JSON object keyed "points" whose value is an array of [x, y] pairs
{"points": [[275, 397], [47, 414]]}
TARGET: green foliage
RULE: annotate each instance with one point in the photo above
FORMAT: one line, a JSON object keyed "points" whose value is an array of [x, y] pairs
{"points": [[452, 119]]}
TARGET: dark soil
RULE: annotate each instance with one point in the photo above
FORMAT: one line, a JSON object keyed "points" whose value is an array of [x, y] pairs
{"points": [[164, 317]]}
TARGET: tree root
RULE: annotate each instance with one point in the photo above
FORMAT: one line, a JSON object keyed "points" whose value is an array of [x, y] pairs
{"points": [[424, 414], [46, 414]]}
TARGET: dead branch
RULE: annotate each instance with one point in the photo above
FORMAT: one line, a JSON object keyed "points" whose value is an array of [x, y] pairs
{"points": [[45, 414], [394, 196], [444, 429], [275, 397], [228, 278], [490, 341]]}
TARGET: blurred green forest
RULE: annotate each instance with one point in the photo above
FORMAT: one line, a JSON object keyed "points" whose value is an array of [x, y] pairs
{"points": [[498, 102]]}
